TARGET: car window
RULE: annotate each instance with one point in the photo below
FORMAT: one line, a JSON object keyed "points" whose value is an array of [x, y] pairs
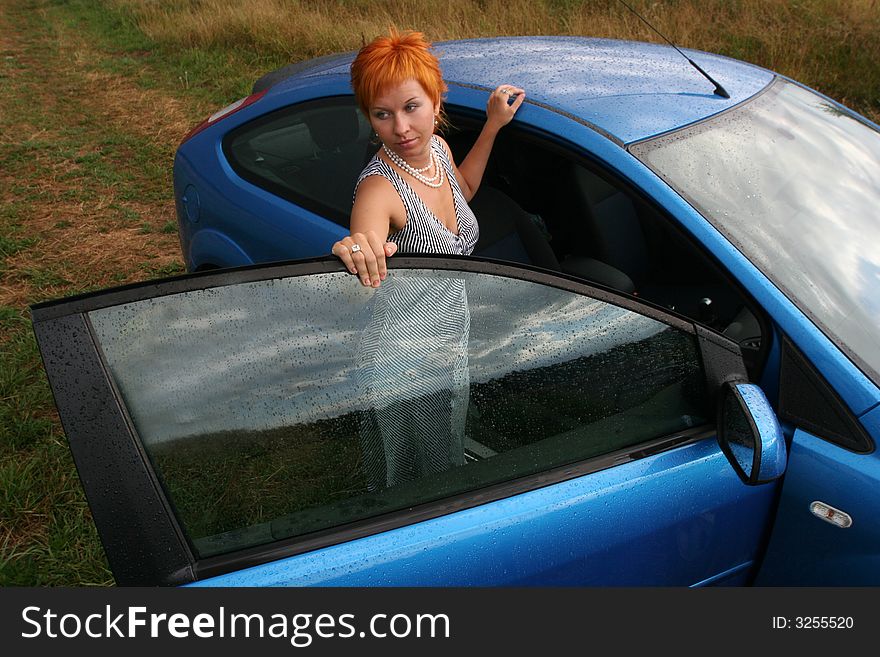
{"points": [[279, 408], [543, 205], [797, 190], [310, 154]]}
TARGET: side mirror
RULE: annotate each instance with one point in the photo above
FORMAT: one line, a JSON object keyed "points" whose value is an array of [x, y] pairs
{"points": [[749, 434]]}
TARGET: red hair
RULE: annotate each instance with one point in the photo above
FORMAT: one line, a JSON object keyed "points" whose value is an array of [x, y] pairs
{"points": [[389, 60]]}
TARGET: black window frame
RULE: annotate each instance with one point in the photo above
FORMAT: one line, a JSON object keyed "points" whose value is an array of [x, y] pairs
{"points": [[140, 532], [307, 202]]}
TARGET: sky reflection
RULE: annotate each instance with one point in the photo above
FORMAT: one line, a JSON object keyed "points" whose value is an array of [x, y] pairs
{"points": [[794, 182], [279, 352]]}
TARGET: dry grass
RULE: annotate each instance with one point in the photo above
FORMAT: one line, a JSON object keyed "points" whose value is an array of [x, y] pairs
{"points": [[147, 113], [85, 202], [81, 255], [84, 239], [831, 45]]}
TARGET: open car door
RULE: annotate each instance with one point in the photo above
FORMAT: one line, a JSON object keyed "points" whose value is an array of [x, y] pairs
{"points": [[468, 423]]}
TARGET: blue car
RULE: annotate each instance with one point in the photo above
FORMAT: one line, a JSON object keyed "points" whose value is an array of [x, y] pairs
{"points": [[665, 372]]}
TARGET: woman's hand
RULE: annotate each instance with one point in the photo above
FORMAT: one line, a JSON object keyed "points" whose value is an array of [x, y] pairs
{"points": [[364, 255], [499, 112]]}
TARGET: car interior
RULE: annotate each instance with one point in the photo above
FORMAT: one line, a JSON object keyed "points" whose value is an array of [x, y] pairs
{"points": [[539, 204]]}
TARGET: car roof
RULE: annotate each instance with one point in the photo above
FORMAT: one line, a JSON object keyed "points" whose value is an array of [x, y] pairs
{"points": [[628, 89]]}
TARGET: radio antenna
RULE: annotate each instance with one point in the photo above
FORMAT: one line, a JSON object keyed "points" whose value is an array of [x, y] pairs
{"points": [[719, 90]]}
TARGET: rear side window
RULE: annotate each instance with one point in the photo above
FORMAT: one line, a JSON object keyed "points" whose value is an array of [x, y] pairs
{"points": [[310, 154], [284, 407]]}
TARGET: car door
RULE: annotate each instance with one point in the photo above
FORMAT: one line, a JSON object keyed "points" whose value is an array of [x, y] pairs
{"points": [[468, 423], [824, 533]]}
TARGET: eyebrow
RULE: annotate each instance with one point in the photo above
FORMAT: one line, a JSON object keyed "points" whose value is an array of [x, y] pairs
{"points": [[406, 102]]}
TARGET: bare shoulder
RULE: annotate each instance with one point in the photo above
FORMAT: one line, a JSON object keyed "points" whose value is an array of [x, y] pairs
{"points": [[376, 199], [376, 191], [373, 185]]}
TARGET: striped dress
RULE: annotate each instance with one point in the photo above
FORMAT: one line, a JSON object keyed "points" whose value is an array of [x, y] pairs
{"points": [[413, 364]]}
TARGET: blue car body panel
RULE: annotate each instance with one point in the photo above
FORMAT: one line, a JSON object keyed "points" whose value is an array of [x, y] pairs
{"points": [[593, 97], [682, 517], [631, 91], [272, 229], [807, 551], [655, 79], [210, 244]]}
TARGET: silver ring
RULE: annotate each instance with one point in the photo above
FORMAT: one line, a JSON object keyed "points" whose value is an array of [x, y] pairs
{"points": [[355, 248], [505, 91]]}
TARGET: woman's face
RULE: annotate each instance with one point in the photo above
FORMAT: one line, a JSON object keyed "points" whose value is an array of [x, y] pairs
{"points": [[403, 117]]}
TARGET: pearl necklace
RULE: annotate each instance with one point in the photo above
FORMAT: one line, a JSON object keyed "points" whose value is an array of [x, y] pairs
{"points": [[403, 164], [434, 181]]}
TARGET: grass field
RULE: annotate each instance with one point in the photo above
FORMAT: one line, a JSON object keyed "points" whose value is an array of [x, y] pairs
{"points": [[95, 96]]}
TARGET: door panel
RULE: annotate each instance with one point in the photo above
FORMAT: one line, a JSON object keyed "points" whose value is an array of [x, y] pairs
{"points": [[515, 426], [649, 522], [805, 550]]}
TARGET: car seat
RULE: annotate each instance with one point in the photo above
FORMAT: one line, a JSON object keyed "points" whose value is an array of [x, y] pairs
{"points": [[337, 159], [508, 232], [618, 236]]}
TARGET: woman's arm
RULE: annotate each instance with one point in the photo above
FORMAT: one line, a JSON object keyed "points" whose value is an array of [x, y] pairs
{"points": [[364, 250], [498, 115]]}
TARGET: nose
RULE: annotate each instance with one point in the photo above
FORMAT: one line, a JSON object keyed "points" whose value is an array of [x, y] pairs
{"points": [[401, 125]]}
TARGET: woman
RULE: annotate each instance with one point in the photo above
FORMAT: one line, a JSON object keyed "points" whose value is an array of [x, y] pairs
{"points": [[411, 196], [412, 358]]}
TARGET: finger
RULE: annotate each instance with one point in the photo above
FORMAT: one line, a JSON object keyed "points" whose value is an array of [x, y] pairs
{"points": [[357, 245], [509, 90], [518, 101], [390, 248], [368, 270], [516, 94], [500, 95], [341, 251], [379, 253]]}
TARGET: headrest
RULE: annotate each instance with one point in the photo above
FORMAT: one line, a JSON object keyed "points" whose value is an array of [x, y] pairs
{"points": [[332, 127]]}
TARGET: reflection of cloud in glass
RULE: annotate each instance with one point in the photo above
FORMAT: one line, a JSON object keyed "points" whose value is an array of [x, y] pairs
{"points": [[280, 352], [566, 326], [869, 276], [797, 188]]}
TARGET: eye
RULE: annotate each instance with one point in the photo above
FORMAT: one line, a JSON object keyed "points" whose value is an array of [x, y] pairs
{"points": [[381, 114], [411, 107]]}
